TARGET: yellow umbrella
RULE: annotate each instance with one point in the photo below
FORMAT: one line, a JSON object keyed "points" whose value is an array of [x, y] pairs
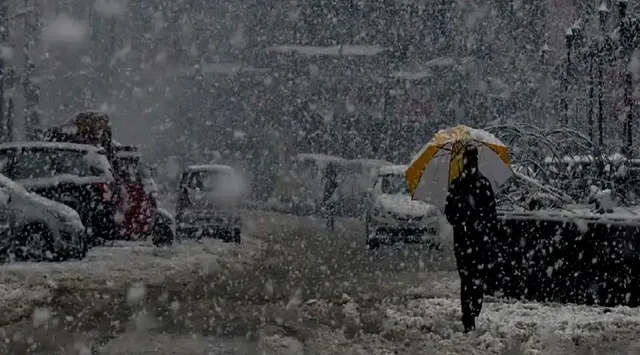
{"points": [[440, 161]]}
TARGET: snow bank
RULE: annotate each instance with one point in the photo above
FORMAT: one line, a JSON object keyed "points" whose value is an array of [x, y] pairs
{"points": [[355, 50], [24, 285], [539, 328], [110, 8], [64, 30]]}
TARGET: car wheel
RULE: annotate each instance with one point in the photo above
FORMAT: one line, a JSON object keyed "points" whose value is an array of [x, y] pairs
{"points": [[373, 243], [83, 248], [162, 235], [35, 243], [226, 236]]}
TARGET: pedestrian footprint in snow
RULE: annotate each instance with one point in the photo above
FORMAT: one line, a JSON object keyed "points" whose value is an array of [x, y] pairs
{"points": [[471, 209]]}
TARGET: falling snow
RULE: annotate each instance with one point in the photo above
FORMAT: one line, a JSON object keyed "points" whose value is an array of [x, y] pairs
{"points": [[305, 231]]}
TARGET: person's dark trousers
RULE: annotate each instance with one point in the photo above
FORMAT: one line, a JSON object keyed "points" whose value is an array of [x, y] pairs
{"points": [[471, 292], [330, 214]]}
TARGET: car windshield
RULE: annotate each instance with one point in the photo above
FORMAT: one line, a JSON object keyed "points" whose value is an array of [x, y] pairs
{"points": [[394, 185], [45, 163], [208, 180]]}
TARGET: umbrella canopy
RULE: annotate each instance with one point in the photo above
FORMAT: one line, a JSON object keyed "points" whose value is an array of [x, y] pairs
{"points": [[440, 161]]}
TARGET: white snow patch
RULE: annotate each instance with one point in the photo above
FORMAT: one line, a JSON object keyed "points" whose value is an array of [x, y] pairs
{"points": [[41, 316], [121, 54], [61, 179], [296, 299], [175, 306], [582, 225], [238, 134], [6, 52], [268, 288], [501, 323], [64, 30], [360, 50], [136, 294], [634, 64], [24, 285], [111, 8]]}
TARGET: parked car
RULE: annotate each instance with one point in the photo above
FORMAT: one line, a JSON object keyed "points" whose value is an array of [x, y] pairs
{"points": [[393, 216], [38, 229], [208, 203], [142, 217], [77, 175]]}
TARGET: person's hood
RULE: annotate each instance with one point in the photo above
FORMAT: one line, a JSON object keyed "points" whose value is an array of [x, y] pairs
{"points": [[404, 205]]}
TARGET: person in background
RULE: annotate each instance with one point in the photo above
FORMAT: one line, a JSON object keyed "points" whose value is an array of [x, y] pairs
{"points": [[471, 209], [330, 184]]}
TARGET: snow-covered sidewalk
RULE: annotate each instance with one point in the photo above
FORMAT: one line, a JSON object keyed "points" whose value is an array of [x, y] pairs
{"points": [[24, 286], [531, 327]]}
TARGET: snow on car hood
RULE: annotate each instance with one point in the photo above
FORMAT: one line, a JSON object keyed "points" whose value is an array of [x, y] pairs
{"points": [[404, 205], [66, 213]]}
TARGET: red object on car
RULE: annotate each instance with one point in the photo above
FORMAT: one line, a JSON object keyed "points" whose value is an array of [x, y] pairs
{"points": [[139, 200]]}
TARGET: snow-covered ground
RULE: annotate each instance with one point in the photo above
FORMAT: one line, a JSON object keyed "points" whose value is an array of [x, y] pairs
{"points": [[414, 326], [26, 285], [398, 300]]}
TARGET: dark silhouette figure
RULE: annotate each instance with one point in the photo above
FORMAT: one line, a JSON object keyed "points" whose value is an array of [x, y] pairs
{"points": [[471, 210], [330, 185]]}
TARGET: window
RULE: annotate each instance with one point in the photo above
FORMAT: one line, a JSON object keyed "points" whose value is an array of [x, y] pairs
{"points": [[45, 163], [5, 157], [32, 164], [394, 184], [209, 180]]}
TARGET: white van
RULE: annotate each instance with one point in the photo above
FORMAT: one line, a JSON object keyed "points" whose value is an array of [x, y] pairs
{"points": [[393, 216]]}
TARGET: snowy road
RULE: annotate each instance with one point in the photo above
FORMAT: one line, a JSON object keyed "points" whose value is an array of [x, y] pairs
{"points": [[291, 288]]}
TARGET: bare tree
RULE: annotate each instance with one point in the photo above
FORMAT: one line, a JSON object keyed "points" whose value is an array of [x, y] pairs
{"points": [[4, 35], [30, 84]]}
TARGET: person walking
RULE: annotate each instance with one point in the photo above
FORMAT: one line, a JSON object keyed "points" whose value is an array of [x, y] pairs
{"points": [[330, 185], [471, 209]]}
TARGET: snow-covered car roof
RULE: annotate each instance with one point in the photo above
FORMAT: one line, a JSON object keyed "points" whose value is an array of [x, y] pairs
{"points": [[5, 181], [319, 157], [392, 170], [210, 167], [371, 162], [52, 145]]}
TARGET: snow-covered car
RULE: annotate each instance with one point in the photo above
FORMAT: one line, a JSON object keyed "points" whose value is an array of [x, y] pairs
{"points": [[393, 216], [209, 201], [78, 175], [37, 228]]}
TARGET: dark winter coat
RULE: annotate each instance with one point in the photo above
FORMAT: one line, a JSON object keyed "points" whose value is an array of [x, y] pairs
{"points": [[330, 185], [471, 209]]}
